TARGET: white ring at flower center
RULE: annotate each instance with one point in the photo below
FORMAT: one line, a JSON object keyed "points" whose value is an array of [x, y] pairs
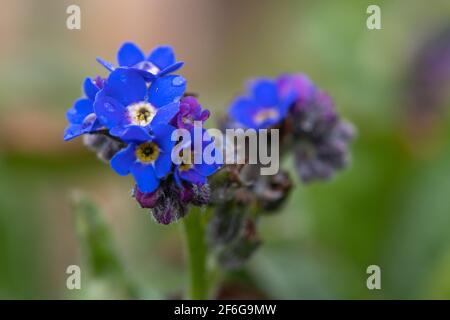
{"points": [[266, 114], [141, 113], [148, 66]]}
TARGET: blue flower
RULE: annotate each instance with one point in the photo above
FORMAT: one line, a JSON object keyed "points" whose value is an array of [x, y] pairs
{"points": [[81, 116], [263, 108], [129, 108], [159, 62], [194, 168], [147, 160]]}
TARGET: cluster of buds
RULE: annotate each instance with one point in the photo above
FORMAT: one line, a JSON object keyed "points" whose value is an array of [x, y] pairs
{"points": [[170, 202], [319, 137]]}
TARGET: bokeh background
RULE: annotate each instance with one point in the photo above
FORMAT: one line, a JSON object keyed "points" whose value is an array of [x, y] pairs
{"points": [[390, 208]]}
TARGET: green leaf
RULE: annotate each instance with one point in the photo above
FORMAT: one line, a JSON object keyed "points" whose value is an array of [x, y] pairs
{"points": [[98, 250]]}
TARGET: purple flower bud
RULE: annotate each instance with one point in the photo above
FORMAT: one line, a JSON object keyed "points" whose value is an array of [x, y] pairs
{"points": [[168, 209], [197, 195], [190, 111], [319, 159], [315, 118], [170, 201], [168, 206], [99, 82], [186, 194], [146, 199]]}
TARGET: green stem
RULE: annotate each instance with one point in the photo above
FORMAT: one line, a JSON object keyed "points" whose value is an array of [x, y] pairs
{"points": [[194, 226]]}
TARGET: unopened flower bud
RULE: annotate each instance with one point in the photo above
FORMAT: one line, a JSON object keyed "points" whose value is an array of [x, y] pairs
{"points": [[201, 194], [239, 251], [146, 199], [321, 158], [105, 147], [168, 209], [272, 191], [225, 225]]}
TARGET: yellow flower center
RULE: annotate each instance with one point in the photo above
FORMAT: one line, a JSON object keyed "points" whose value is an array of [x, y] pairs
{"points": [[266, 114], [141, 113], [147, 152], [187, 162]]}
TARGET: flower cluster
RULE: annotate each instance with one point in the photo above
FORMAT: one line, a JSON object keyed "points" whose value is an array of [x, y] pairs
{"points": [[128, 118], [309, 125], [306, 117]]}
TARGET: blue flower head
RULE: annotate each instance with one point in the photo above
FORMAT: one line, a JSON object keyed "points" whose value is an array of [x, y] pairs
{"points": [[134, 112], [130, 108], [148, 160], [81, 116], [159, 62], [263, 107]]}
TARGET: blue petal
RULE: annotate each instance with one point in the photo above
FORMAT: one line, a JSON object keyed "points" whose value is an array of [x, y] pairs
{"points": [[242, 111], [96, 125], [79, 111], [131, 133], [129, 55], [126, 86], [286, 103], [206, 169], [123, 160], [145, 177], [108, 65], [72, 131], [89, 122], [192, 176], [215, 153], [171, 68], [162, 57], [148, 76], [162, 136], [167, 89], [90, 89], [265, 92], [109, 111], [166, 113], [163, 164]]}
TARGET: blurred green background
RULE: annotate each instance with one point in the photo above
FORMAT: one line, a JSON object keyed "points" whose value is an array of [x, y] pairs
{"points": [[390, 208]]}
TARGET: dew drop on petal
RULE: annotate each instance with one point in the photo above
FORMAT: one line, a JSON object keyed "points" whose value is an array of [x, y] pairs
{"points": [[178, 81], [109, 107]]}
